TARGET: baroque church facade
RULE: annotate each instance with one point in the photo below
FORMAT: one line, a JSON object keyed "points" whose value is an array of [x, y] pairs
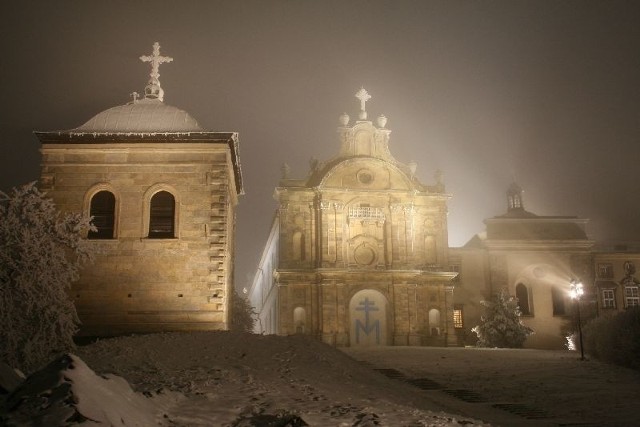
{"points": [[358, 252], [163, 193]]}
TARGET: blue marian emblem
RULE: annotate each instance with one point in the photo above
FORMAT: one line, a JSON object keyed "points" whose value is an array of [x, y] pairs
{"points": [[368, 326]]}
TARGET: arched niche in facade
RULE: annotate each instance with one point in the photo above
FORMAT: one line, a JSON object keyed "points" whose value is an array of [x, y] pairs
{"points": [[368, 319], [299, 320]]}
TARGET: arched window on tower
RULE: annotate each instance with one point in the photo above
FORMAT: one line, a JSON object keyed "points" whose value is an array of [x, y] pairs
{"points": [[103, 207], [514, 197], [162, 209], [298, 246], [522, 294]]}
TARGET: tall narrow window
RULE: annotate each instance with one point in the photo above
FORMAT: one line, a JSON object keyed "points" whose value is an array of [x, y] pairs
{"points": [[457, 316], [557, 297], [522, 294], [162, 216], [430, 252], [298, 246], [103, 207]]}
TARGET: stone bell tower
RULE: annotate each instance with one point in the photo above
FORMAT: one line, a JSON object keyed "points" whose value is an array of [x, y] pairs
{"points": [[163, 193]]}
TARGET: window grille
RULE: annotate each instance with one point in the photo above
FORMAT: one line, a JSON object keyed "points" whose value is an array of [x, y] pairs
{"points": [[608, 298], [457, 318], [631, 296], [365, 212]]}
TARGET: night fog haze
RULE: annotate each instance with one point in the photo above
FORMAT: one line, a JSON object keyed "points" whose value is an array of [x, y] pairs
{"points": [[543, 93]]}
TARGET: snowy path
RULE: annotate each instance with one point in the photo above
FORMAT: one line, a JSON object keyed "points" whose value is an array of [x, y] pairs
{"points": [[546, 387]]}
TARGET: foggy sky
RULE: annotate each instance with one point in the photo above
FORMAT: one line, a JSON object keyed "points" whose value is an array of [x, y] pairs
{"points": [[546, 92]]}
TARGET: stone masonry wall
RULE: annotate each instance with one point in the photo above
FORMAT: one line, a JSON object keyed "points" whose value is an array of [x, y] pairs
{"points": [[139, 284]]}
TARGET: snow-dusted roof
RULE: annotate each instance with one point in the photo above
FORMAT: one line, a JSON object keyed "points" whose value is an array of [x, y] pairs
{"points": [[140, 116]]}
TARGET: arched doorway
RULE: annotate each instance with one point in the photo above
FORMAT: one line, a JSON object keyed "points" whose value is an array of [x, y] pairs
{"points": [[368, 319]]}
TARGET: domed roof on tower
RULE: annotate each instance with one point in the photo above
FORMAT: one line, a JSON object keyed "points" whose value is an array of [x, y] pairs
{"points": [[147, 115]]}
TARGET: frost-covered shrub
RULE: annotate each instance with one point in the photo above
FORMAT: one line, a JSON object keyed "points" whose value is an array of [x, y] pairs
{"points": [[501, 326], [615, 339], [41, 253], [242, 314]]}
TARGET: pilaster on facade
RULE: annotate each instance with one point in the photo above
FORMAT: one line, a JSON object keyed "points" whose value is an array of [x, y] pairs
{"points": [[219, 245]]}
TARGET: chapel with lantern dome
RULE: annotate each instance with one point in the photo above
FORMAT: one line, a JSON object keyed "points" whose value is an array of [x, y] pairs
{"points": [[162, 192]]}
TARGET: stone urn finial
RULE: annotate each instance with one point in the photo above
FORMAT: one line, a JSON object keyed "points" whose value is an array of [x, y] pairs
{"points": [[285, 169], [382, 121], [412, 167], [344, 119]]}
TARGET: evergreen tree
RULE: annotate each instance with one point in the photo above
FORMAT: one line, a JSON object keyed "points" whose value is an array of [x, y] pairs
{"points": [[41, 253], [242, 314], [501, 326]]}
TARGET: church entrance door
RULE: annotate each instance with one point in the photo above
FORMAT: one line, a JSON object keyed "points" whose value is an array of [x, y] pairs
{"points": [[368, 319]]}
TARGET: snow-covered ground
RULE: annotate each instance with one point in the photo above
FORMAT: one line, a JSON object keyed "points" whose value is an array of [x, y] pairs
{"points": [[556, 386], [231, 379]]}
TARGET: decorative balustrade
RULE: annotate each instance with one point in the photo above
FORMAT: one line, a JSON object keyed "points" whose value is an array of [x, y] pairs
{"points": [[367, 213]]}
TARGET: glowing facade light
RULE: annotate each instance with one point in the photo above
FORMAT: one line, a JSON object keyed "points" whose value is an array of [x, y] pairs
{"points": [[576, 289]]}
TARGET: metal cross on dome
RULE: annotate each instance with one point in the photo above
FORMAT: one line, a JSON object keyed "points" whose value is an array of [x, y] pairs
{"points": [[155, 59], [363, 96]]}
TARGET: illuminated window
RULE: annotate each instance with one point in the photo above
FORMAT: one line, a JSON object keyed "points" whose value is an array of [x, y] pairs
{"points": [[457, 317], [522, 294], [162, 216], [557, 297], [103, 207], [631, 296], [608, 298], [605, 270]]}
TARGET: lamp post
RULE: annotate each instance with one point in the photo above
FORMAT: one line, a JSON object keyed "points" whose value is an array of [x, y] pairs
{"points": [[576, 292]]}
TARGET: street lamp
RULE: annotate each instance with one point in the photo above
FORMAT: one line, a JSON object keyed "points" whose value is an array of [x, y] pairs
{"points": [[576, 291]]}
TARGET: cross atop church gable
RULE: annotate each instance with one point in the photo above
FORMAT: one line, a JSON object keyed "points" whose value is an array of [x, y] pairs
{"points": [[363, 96]]}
